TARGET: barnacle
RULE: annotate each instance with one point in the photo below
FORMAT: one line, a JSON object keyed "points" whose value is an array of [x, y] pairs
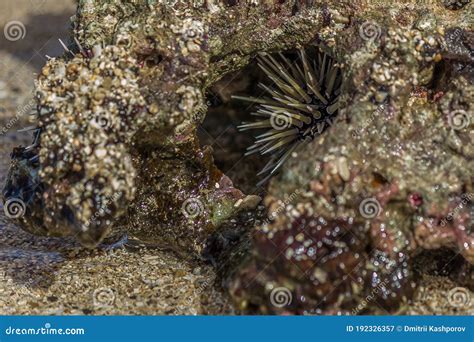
{"points": [[119, 147], [81, 137], [303, 101]]}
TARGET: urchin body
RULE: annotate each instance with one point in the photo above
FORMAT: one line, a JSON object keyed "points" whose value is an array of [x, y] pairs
{"points": [[300, 103]]}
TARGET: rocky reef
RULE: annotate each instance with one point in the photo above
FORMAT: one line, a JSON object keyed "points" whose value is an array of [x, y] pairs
{"points": [[117, 150]]}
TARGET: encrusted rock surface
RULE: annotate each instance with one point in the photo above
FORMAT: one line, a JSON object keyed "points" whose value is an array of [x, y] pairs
{"points": [[391, 178], [396, 162]]}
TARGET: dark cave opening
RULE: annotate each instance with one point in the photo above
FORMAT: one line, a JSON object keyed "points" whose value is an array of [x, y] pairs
{"points": [[292, 97], [219, 128]]}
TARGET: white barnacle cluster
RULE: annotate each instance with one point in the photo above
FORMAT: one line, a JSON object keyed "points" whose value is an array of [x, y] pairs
{"points": [[88, 110], [191, 32]]}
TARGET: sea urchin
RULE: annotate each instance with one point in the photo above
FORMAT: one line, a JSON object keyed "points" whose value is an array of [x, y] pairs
{"points": [[303, 101]]}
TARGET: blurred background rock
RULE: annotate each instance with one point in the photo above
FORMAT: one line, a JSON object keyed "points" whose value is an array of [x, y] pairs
{"points": [[56, 276]]}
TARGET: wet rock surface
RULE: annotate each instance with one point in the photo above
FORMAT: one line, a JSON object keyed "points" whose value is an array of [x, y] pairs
{"points": [[53, 276], [343, 223]]}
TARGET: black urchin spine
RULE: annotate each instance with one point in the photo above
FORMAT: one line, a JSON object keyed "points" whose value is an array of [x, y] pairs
{"points": [[303, 101]]}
